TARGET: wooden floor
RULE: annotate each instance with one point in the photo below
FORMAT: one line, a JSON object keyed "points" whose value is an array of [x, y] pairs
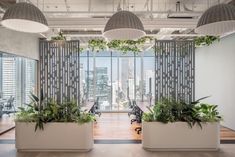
{"points": [[6, 123], [227, 134], [117, 126]]}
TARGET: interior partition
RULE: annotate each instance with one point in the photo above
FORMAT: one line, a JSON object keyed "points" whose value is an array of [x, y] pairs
{"points": [[175, 70], [60, 70], [215, 75]]}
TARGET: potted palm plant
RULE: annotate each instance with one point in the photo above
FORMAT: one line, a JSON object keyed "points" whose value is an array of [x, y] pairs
{"points": [[173, 125], [50, 126]]}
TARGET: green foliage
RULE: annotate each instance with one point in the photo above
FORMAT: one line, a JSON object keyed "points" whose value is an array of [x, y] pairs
{"points": [[60, 36], [97, 44], [41, 112], [207, 112], [169, 110], [26, 114], [85, 118], [205, 40], [120, 45], [81, 49]]}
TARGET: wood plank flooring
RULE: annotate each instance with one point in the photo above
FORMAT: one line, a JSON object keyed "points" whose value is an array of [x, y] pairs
{"points": [[226, 133], [6, 123], [117, 126]]}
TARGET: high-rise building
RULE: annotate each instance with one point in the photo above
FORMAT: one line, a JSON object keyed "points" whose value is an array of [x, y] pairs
{"points": [[131, 88], [101, 88], [115, 93], [82, 82], [18, 79], [149, 82], [8, 77], [127, 72]]}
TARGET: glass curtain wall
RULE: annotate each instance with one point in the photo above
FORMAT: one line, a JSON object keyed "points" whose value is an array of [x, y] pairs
{"points": [[17, 79], [114, 79]]}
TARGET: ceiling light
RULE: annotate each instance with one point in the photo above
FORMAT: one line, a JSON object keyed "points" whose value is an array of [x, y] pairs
{"points": [[25, 17], [217, 20], [124, 25]]}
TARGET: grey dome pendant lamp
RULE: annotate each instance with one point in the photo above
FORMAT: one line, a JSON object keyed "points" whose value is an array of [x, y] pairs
{"points": [[25, 17], [217, 20], [124, 25]]}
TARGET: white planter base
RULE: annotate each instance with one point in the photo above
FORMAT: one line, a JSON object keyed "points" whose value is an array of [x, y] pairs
{"points": [[54, 137], [179, 136]]}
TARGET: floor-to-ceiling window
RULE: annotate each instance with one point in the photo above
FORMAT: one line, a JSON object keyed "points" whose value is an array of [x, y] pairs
{"points": [[113, 79], [17, 79]]}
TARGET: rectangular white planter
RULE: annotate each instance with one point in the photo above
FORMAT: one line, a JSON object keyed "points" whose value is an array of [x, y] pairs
{"points": [[54, 137], [179, 136]]}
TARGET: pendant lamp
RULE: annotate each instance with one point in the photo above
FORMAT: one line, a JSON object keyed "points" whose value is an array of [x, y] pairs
{"points": [[217, 20], [25, 17], [124, 25]]}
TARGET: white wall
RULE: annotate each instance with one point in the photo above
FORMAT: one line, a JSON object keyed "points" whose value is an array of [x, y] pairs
{"points": [[215, 76], [21, 44]]}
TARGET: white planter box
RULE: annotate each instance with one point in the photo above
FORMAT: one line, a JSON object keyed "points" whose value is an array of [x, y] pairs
{"points": [[54, 137], [179, 136]]}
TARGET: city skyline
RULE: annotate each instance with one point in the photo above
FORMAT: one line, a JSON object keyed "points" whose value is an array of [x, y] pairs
{"points": [[122, 80], [18, 79]]}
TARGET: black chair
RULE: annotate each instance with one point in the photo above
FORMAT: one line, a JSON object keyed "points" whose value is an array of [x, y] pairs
{"points": [[131, 106], [134, 111], [138, 116], [95, 108], [139, 120], [1, 110], [9, 107]]}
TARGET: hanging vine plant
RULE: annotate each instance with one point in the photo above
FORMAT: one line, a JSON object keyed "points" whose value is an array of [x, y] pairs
{"points": [[97, 44], [81, 49], [60, 37], [120, 45], [123, 45], [205, 40]]}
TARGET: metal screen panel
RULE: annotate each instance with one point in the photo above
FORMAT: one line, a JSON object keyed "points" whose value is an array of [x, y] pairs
{"points": [[175, 70], [60, 70]]}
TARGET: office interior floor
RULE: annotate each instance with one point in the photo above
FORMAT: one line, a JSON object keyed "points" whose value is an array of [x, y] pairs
{"points": [[117, 150], [6, 123], [114, 126]]}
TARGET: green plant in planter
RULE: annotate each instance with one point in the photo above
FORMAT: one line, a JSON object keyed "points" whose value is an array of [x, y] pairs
{"points": [[163, 111], [50, 111], [170, 110], [207, 112], [205, 40], [26, 114]]}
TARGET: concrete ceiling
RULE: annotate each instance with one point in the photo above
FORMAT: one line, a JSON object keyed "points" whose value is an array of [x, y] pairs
{"points": [[87, 18]]}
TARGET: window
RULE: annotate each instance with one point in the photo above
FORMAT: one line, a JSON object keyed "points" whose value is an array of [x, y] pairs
{"points": [[114, 79], [17, 78]]}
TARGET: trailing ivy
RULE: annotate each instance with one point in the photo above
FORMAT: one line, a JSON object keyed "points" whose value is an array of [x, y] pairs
{"points": [[120, 45], [97, 44], [205, 40], [60, 36]]}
